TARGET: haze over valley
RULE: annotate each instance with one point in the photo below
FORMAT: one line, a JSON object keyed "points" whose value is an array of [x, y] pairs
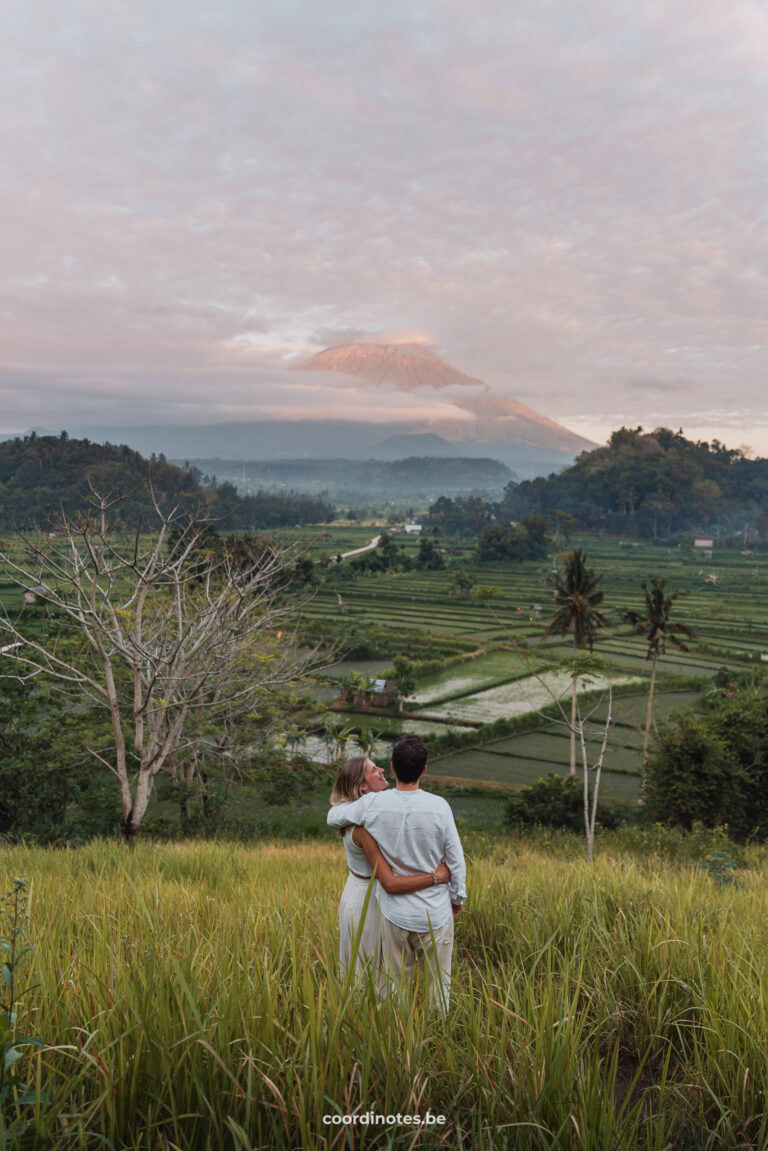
{"points": [[473, 422]]}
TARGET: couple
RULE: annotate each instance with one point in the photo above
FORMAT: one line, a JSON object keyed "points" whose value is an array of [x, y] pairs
{"points": [[407, 838]]}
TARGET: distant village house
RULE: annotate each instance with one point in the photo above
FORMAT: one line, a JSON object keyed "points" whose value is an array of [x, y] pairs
{"points": [[35, 595], [380, 693]]}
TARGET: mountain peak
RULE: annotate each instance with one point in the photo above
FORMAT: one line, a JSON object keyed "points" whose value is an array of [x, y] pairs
{"points": [[411, 367], [406, 366]]}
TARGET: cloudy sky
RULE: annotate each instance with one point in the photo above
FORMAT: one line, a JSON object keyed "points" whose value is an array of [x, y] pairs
{"points": [[569, 201]]}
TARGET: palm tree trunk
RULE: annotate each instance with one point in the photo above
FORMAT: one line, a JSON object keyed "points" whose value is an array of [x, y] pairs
{"points": [[649, 715]]}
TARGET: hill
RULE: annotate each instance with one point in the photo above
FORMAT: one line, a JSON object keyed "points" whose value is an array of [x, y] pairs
{"points": [[318, 439], [407, 446], [43, 476], [653, 484]]}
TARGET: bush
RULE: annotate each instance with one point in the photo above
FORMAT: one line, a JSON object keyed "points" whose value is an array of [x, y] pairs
{"points": [[692, 776], [525, 541], [555, 801], [713, 767]]}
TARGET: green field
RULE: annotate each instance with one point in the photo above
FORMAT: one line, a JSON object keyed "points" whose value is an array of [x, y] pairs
{"points": [[420, 612], [731, 615], [188, 997], [517, 770], [730, 618]]}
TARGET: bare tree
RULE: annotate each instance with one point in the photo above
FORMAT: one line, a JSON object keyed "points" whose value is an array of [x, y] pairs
{"points": [[581, 666], [590, 813], [166, 633], [576, 722]]}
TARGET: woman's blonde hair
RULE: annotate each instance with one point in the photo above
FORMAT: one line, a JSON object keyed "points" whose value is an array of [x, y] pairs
{"points": [[349, 780]]}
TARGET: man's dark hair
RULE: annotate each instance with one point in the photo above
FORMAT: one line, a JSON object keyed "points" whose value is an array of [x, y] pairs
{"points": [[409, 758]]}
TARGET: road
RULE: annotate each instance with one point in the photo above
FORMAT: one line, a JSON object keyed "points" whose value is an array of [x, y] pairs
{"points": [[359, 551]]}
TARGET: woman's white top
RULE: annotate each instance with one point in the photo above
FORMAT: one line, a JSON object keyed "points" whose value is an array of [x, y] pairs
{"points": [[356, 857]]}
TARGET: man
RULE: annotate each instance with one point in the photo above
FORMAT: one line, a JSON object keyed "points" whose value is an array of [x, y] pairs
{"points": [[415, 831]]}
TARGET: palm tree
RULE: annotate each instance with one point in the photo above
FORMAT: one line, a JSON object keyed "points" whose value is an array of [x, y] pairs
{"points": [[367, 739], [578, 601], [335, 737], [655, 623], [403, 677]]}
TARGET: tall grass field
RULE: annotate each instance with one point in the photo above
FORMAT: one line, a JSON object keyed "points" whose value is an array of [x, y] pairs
{"points": [[189, 997]]}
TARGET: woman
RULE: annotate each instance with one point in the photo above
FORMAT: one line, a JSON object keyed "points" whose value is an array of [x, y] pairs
{"points": [[357, 777]]}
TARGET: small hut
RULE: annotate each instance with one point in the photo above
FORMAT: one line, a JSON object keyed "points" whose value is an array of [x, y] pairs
{"points": [[379, 693]]}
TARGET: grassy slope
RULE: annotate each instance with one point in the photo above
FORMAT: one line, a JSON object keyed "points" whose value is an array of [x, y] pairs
{"points": [[191, 995]]}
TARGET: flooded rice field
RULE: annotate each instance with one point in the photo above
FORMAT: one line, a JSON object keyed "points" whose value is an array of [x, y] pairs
{"points": [[523, 695]]}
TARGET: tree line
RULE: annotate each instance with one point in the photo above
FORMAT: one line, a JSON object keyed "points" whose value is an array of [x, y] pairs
{"points": [[650, 485], [653, 485], [41, 476]]}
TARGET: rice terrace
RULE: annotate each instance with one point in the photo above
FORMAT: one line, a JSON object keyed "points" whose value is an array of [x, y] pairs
{"points": [[497, 648]]}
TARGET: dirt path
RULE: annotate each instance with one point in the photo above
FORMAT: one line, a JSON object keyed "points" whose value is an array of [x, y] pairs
{"points": [[359, 551]]}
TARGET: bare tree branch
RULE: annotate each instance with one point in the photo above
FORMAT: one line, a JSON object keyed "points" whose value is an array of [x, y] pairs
{"points": [[174, 631]]}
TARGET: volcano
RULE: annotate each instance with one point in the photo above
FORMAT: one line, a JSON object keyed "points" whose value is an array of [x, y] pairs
{"points": [[493, 422], [478, 424]]}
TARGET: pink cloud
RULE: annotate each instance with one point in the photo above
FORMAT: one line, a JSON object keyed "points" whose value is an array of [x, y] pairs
{"points": [[562, 199]]}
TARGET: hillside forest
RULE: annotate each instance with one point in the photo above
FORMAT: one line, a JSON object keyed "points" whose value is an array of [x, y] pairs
{"points": [[652, 485], [42, 477]]}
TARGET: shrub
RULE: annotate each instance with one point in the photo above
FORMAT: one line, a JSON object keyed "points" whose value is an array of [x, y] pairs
{"points": [[692, 776], [675, 845], [713, 767], [555, 801]]}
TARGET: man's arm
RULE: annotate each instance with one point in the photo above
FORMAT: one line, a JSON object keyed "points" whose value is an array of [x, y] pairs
{"points": [[345, 813], [454, 857]]}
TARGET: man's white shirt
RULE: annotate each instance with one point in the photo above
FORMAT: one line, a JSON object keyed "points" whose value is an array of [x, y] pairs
{"points": [[415, 831]]}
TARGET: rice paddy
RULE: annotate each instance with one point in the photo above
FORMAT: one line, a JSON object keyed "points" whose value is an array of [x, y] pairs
{"points": [[521, 696], [519, 667]]}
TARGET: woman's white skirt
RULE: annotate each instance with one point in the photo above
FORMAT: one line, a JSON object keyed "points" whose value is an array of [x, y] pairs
{"points": [[350, 911]]}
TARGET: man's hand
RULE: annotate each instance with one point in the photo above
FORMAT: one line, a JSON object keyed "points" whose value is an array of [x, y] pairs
{"points": [[442, 873], [455, 908]]}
